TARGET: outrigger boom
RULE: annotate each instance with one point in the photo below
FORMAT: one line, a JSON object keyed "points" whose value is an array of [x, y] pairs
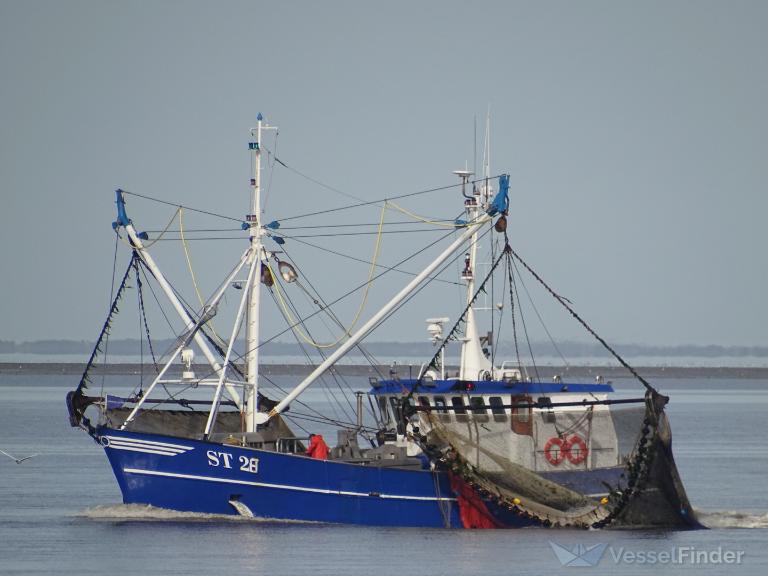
{"points": [[146, 258]]}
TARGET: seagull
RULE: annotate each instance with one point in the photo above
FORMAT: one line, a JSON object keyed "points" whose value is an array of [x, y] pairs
{"points": [[18, 460]]}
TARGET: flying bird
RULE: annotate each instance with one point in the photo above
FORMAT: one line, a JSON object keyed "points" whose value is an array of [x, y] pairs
{"points": [[17, 460]]}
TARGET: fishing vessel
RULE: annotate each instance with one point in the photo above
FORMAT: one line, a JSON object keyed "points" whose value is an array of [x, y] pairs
{"points": [[475, 442]]}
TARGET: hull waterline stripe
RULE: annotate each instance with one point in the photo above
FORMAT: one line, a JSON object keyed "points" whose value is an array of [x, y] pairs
{"points": [[282, 486]]}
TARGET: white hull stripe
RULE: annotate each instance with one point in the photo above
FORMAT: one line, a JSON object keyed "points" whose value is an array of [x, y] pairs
{"points": [[115, 446], [178, 448], [281, 486]]}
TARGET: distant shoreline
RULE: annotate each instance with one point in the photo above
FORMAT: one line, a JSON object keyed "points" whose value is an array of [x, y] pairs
{"points": [[406, 371]]}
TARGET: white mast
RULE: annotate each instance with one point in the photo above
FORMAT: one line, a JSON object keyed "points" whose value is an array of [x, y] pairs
{"points": [[473, 362], [259, 255]]}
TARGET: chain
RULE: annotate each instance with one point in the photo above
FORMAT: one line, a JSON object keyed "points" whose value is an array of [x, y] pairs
{"points": [[113, 310], [143, 312]]}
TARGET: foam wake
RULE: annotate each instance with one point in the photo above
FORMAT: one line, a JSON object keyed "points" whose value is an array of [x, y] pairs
{"points": [[149, 513], [732, 519]]}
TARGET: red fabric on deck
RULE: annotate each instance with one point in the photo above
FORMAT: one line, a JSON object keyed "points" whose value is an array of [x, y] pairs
{"points": [[317, 447], [472, 510]]}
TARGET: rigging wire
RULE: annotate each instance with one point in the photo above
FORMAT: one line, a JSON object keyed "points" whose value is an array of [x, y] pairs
{"points": [[512, 313], [317, 300], [515, 294], [493, 343], [328, 394], [541, 321], [111, 300], [497, 335], [160, 237], [271, 170], [188, 230], [350, 292], [329, 234], [327, 211], [192, 272], [422, 218], [350, 225], [332, 372], [199, 211], [362, 261], [564, 301], [462, 319], [338, 378], [140, 293], [347, 331], [340, 298], [339, 423], [368, 203], [187, 258], [282, 390], [314, 180]]}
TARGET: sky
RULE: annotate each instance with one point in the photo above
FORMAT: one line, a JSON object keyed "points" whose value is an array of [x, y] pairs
{"points": [[635, 134]]}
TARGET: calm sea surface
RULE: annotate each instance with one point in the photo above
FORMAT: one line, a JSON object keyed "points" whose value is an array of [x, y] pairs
{"points": [[60, 512]]}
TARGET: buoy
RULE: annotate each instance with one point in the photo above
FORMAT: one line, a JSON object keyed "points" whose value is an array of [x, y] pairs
{"points": [[554, 451], [580, 454], [516, 501]]}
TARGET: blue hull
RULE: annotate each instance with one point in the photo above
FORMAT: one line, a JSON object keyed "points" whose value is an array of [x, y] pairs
{"points": [[197, 476]]}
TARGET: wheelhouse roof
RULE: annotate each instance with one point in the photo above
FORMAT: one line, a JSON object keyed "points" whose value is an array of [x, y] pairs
{"points": [[428, 387]]}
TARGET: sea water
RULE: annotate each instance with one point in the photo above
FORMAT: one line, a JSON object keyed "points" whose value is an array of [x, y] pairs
{"points": [[60, 512]]}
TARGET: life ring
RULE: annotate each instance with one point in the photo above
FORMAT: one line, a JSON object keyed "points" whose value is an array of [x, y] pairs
{"points": [[582, 451], [554, 456]]}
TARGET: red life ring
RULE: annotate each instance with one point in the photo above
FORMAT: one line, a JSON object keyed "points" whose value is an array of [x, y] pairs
{"points": [[554, 456], [580, 454]]}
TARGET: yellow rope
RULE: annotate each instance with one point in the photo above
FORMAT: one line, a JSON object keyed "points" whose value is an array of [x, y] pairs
{"points": [[186, 255], [192, 271], [149, 244], [421, 218], [347, 331]]}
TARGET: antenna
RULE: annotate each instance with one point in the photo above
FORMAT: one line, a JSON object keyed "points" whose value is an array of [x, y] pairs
{"points": [[487, 146], [474, 149]]}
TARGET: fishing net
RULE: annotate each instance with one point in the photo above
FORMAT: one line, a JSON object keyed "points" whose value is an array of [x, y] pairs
{"points": [[560, 464], [187, 424]]}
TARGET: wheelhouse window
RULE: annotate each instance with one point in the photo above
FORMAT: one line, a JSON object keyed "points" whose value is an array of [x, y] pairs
{"points": [[458, 405], [477, 405], [441, 408], [497, 408], [457, 402]]}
